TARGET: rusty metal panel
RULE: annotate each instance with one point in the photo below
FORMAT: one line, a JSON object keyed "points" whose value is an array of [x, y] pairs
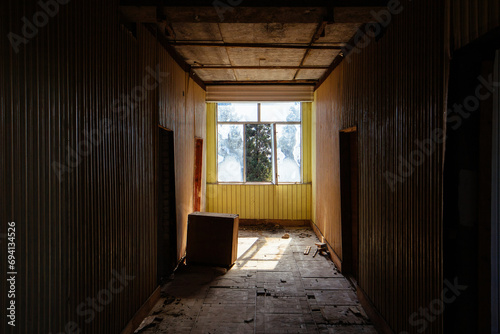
{"points": [[393, 91]]}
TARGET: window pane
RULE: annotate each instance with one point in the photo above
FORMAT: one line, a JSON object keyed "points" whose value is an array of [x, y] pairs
{"points": [[230, 153], [280, 112], [259, 143], [288, 153], [237, 112]]}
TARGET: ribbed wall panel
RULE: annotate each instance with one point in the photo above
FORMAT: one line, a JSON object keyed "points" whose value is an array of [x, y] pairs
{"points": [[102, 216], [257, 93], [182, 110], [393, 91], [470, 19], [288, 202]]}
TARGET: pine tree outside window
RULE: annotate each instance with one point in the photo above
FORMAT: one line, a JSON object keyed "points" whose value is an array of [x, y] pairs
{"points": [[259, 142]]}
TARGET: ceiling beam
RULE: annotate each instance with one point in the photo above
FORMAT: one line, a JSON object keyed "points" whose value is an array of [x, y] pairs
{"points": [[258, 45], [229, 67], [320, 30], [337, 61], [173, 53], [269, 82], [228, 14], [256, 3]]}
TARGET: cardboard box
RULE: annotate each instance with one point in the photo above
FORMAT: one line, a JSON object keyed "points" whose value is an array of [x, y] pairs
{"points": [[212, 239]]}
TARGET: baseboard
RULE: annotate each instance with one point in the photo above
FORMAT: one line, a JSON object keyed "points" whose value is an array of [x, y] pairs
{"points": [[377, 319], [143, 312], [282, 222], [333, 255]]}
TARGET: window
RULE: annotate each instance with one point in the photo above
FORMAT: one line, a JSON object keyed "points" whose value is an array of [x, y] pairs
{"points": [[259, 142]]}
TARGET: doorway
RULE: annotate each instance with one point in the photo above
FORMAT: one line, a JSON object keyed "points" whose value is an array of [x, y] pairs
{"points": [[167, 222], [349, 201], [468, 247], [198, 171], [495, 200]]}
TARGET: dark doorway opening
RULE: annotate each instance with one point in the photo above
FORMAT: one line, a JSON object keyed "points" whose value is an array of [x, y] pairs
{"points": [[468, 187], [349, 201], [198, 171], [167, 222]]}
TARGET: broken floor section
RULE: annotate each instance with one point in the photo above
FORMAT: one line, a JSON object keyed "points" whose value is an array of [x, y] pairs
{"points": [[273, 288]]}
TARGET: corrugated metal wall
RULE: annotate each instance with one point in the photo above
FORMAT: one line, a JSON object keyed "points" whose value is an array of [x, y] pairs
{"points": [[394, 92], [471, 19], [59, 108], [183, 110]]}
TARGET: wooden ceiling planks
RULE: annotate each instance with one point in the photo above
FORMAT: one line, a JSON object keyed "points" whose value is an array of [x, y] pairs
{"points": [[260, 43], [245, 14]]}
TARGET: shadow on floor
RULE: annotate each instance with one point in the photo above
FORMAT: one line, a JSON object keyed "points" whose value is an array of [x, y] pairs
{"points": [[272, 288]]}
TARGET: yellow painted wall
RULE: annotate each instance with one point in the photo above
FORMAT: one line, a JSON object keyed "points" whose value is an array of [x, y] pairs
{"points": [[211, 143], [288, 201], [284, 201], [313, 159], [306, 142]]}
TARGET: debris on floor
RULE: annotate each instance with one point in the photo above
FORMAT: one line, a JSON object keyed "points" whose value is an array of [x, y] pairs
{"points": [[269, 227], [274, 287], [286, 236], [321, 245], [149, 322], [307, 250]]}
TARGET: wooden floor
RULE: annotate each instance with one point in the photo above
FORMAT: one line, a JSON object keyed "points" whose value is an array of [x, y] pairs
{"points": [[272, 288]]}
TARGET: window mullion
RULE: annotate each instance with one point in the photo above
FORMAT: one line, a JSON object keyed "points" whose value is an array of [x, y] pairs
{"points": [[275, 154], [244, 153]]}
